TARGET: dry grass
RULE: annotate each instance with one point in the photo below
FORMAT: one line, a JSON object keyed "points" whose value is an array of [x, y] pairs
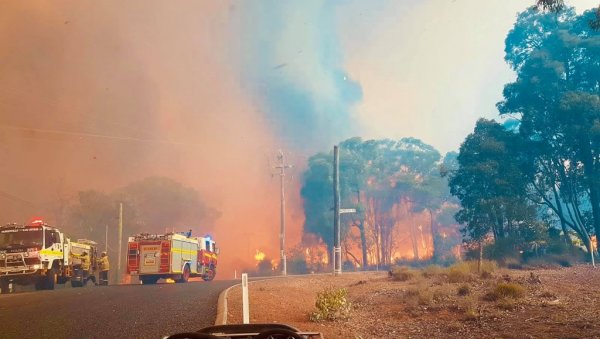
{"points": [[468, 306], [459, 274], [433, 271], [504, 291], [403, 273]]}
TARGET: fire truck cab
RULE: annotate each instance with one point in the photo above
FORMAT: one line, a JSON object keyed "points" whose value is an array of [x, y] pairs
{"points": [[171, 256], [34, 253]]}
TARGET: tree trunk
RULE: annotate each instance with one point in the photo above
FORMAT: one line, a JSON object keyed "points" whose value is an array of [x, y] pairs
{"points": [[433, 236], [413, 238], [363, 243], [590, 171], [561, 216], [595, 202]]}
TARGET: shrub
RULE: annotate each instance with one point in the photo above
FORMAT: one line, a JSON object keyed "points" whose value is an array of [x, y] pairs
{"points": [[419, 295], [485, 275], [331, 304], [432, 271], [425, 297], [505, 290], [464, 290], [457, 275], [402, 273], [502, 249], [462, 271]]}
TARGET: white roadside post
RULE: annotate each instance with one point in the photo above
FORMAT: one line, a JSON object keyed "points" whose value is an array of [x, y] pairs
{"points": [[245, 303]]}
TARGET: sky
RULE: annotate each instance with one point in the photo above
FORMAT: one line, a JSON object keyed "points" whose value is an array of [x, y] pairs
{"points": [[97, 94]]}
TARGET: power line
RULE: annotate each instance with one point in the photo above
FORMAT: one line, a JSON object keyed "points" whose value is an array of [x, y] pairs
{"points": [[15, 198], [95, 135]]}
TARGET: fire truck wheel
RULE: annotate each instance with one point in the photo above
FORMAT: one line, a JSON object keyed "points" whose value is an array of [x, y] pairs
{"points": [[50, 280], [185, 276], [210, 275], [4, 286]]}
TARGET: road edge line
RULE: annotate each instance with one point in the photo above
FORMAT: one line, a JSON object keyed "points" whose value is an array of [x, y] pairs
{"points": [[222, 306]]}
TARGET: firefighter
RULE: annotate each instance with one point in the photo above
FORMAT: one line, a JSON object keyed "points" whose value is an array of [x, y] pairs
{"points": [[86, 265], [103, 266]]}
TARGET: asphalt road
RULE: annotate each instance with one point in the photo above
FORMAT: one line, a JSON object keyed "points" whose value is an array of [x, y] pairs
{"points": [[127, 311]]}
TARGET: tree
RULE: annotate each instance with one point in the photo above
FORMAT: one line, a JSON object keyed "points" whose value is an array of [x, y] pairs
{"points": [[491, 185], [149, 205], [556, 100], [556, 6], [162, 202], [385, 180]]}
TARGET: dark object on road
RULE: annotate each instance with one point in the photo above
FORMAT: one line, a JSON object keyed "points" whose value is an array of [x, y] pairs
{"points": [[255, 331]]}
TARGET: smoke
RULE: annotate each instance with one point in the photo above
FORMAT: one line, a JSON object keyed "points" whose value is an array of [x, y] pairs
{"points": [[96, 95], [293, 65]]}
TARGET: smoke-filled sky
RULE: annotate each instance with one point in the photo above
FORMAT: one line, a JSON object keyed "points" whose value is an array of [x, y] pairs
{"points": [[96, 94]]}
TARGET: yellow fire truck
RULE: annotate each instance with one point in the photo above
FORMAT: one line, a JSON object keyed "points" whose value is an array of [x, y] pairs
{"points": [[34, 253], [172, 255]]}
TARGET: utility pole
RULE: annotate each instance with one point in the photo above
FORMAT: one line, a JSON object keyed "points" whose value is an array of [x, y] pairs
{"points": [[282, 167], [106, 240], [337, 249], [120, 243], [337, 212]]}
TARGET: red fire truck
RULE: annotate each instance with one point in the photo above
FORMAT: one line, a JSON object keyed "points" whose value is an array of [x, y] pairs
{"points": [[172, 255]]}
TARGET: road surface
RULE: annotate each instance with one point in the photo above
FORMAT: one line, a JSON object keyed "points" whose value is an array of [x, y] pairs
{"points": [[127, 311]]}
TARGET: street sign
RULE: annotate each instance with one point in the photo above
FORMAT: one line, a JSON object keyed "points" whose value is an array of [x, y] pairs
{"points": [[347, 210]]}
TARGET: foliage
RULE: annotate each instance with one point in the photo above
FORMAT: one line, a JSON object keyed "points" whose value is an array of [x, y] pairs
{"points": [[331, 304], [556, 100], [490, 184], [551, 5], [505, 290]]}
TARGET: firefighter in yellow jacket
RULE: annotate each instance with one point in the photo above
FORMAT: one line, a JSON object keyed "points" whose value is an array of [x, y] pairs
{"points": [[103, 266], [86, 265]]}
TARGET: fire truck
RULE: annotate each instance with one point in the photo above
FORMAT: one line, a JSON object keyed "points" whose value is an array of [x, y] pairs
{"points": [[34, 253], [171, 256], [80, 275]]}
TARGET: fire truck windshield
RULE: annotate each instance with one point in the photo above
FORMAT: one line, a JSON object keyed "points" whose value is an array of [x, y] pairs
{"points": [[20, 238]]}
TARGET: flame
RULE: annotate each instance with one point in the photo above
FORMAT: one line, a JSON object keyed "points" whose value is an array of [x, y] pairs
{"points": [[170, 281], [126, 279], [259, 256]]}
